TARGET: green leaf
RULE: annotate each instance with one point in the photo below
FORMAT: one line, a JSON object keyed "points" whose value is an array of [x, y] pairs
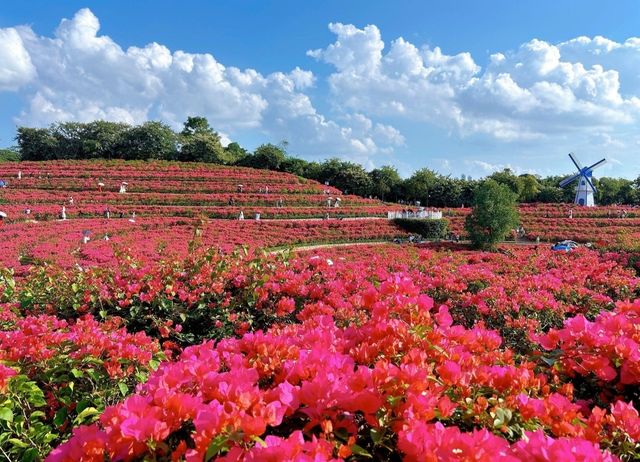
{"points": [[85, 415], [60, 417], [18, 443], [217, 446], [6, 414], [30, 455], [37, 415], [360, 451], [124, 389], [77, 373], [82, 405], [259, 441]]}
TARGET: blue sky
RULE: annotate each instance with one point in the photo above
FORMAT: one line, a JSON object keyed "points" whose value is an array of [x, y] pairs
{"points": [[460, 87]]}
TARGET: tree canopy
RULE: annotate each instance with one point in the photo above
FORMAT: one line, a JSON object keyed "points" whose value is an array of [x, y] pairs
{"points": [[493, 216]]}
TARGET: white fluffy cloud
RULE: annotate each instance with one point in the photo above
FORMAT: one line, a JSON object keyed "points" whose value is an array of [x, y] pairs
{"points": [[16, 68], [532, 93], [583, 92], [79, 74]]}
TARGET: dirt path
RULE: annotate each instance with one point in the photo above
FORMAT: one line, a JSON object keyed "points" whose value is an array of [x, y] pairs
{"points": [[303, 247], [326, 246]]}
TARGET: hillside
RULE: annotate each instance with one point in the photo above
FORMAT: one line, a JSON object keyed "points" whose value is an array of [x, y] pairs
{"points": [[169, 195]]}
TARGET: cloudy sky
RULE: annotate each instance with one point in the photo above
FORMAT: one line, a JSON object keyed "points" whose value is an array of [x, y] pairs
{"points": [[462, 87]]}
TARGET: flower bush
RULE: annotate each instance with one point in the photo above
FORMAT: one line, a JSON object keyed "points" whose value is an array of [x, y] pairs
{"points": [[384, 352], [55, 375]]}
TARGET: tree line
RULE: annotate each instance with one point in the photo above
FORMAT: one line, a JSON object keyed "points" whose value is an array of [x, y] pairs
{"points": [[199, 142]]}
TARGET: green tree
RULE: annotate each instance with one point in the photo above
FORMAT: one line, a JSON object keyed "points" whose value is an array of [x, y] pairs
{"points": [[151, 140], [614, 191], [350, 177], [295, 166], [69, 137], [267, 156], [9, 155], [385, 182], [235, 153], [102, 140], [530, 188], [36, 143], [195, 125], [200, 143], [551, 194], [419, 185], [353, 179], [494, 214], [508, 178], [203, 147]]}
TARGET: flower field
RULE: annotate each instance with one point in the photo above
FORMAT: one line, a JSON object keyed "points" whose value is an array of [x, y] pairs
{"points": [[185, 198], [171, 342], [609, 226], [383, 352]]}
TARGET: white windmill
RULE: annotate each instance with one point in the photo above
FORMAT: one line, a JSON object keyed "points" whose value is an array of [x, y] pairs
{"points": [[585, 189]]}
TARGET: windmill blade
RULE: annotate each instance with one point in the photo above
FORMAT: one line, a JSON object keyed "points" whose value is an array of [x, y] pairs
{"points": [[575, 161], [590, 183], [600, 163], [571, 179]]}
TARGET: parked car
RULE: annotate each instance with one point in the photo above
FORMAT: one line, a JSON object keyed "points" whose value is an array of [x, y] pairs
{"points": [[565, 246]]}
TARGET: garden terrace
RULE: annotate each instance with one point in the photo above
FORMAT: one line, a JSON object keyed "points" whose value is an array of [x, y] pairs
{"points": [[169, 189], [156, 238]]}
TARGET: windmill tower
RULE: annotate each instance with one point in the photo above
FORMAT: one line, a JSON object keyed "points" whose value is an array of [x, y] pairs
{"points": [[585, 189]]}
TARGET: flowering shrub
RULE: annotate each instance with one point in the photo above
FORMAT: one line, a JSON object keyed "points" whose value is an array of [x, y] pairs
{"points": [[367, 353], [55, 375], [376, 390], [604, 353]]}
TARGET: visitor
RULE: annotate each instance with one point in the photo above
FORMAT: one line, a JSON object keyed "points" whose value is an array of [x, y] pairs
{"points": [[19, 174], [63, 213], [133, 217], [241, 216], [70, 200], [257, 216], [571, 213]]}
